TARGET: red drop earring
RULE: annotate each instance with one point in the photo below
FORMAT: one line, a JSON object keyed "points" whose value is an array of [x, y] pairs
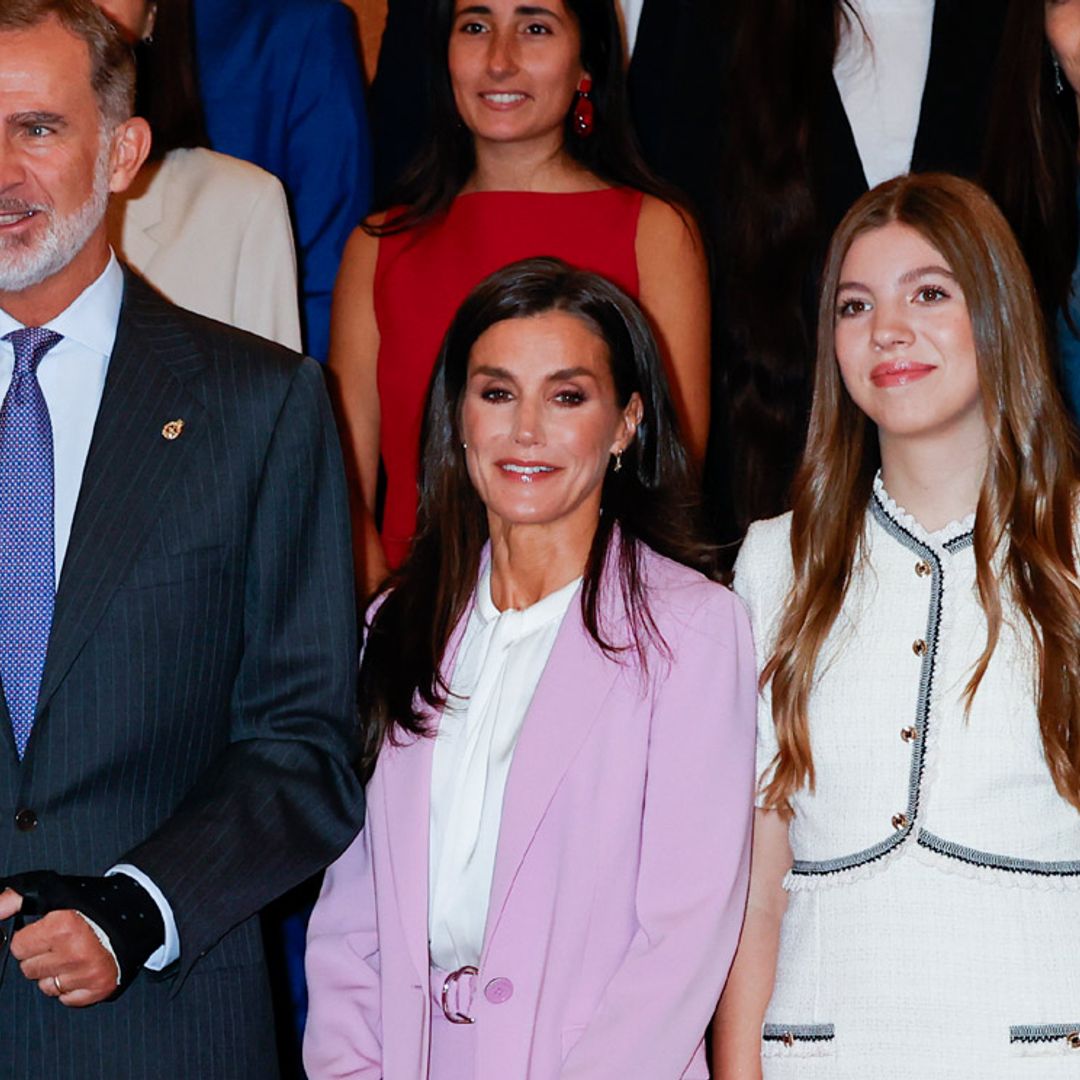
{"points": [[583, 108]]}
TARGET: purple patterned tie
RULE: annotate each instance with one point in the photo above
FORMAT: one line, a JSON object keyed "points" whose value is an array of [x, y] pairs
{"points": [[27, 543]]}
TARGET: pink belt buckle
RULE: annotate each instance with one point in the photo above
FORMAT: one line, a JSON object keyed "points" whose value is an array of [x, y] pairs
{"points": [[449, 983]]}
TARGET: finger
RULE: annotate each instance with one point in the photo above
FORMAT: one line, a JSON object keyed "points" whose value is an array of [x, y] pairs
{"points": [[79, 999], [76, 991], [10, 903], [90, 982], [61, 932]]}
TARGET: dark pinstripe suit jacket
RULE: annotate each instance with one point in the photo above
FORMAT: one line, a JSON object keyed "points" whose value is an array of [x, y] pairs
{"points": [[195, 715]]}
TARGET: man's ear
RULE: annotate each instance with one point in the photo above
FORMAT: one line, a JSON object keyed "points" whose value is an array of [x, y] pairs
{"points": [[130, 147]]}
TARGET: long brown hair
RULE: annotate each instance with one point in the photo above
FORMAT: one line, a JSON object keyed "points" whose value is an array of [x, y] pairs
{"points": [[1026, 504], [650, 501]]}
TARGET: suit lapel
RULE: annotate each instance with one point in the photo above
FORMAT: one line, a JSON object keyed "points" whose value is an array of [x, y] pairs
{"points": [[959, 82], [128, 468], [576, 680], [406, 781], [8, 735], [838, 170], [405, 774]]}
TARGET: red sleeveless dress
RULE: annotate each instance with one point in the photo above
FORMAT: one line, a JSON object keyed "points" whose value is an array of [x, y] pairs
{"points": [[423, 275]]}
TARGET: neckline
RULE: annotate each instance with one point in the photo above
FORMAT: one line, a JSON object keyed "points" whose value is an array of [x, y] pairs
{"points": [[525, 620], [510, 192], [939, 538]]}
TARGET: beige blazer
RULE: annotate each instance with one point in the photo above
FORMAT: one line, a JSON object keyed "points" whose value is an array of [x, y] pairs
{"points": [[212, 233]]}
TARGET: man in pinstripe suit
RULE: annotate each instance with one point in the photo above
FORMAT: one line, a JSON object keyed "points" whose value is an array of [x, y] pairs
{"points": [[185, 755]]}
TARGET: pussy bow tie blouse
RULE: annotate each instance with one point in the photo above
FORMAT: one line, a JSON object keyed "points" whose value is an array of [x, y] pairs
{"points": [[502, 655]]}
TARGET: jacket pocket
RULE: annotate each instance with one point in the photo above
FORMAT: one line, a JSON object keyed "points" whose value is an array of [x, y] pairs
{"points": [[798, 1040], [153, 571], [1045, 1040]]}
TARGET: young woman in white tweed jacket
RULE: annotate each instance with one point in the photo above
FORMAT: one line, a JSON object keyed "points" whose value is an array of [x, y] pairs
{"points": [[915, 889]]}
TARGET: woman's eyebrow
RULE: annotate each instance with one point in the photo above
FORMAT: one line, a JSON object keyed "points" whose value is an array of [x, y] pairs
{"points": [[922, 271], [571, 373]]}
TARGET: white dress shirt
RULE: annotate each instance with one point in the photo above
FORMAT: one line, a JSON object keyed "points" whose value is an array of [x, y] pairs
{"points": [[72, 377], [881, 75], [499, 663], [631, 10]]}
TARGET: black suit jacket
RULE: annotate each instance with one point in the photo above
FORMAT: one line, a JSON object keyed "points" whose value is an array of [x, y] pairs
{"points": [[679, 96], [196, 710], [681, 99]]}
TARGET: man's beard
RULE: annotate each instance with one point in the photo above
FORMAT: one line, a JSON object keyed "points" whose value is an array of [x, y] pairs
{"points": [[28, 261]]}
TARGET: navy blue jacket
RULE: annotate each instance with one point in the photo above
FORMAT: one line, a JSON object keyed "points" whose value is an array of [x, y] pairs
{"points": [[281, 87]]}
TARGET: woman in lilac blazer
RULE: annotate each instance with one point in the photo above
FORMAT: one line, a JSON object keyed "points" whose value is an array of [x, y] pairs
{"points": [[560, 697]]}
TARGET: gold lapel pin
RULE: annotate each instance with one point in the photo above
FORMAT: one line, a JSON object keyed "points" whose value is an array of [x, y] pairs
{"points": [[172, 430]]}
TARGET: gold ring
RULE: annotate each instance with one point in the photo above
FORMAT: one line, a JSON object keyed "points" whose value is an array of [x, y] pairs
{"points": [[56, 983]]}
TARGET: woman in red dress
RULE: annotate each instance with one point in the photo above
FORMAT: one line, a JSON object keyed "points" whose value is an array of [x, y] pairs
{"points": [[530, 154]]}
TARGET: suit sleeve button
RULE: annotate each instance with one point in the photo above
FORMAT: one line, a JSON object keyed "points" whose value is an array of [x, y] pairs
{"points": [[499, 990], [26, 820]]}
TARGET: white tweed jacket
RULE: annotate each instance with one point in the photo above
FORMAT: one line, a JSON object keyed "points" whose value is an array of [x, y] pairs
{"points": [[899, 763]]}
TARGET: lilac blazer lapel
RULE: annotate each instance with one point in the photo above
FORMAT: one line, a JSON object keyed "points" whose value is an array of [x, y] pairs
{"points": [[405, 776], [569, 697]]}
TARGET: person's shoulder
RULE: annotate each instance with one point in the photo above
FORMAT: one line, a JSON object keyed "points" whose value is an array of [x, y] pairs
{"points": [[664, 229], [766, 538], [218, 179], [204, 343], [764, 562], [683, 599], [199, 161], [304, 16]]}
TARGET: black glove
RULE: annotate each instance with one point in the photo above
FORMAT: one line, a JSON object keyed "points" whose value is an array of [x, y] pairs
{"points": [[123, 909]]}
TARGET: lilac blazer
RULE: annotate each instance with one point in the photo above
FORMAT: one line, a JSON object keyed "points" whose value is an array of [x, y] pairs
{"points": [[620, 875]]}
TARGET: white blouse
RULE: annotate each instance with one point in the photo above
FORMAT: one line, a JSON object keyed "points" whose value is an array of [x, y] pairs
{"points": [[880, 71], [501, 658]]}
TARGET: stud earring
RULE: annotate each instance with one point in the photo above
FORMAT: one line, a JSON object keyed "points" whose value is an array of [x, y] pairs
{"points": [[584, 114], [1059, 83], [618, 461], [464, 446]]}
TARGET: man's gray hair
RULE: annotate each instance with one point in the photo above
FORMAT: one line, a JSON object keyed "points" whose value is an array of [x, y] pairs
{"points": [[112, 65]]}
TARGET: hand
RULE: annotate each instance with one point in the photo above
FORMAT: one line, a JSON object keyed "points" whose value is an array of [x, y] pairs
{"points": [[62, 955]]}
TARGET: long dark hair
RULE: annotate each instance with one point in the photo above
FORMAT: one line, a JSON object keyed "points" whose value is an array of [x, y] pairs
{"points": [[448, 158], [773, 233], [167, 90], [1030, 166], [651, 500]]}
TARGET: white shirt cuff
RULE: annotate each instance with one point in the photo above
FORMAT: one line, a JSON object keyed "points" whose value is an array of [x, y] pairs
{"points": [[170, 950]]}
